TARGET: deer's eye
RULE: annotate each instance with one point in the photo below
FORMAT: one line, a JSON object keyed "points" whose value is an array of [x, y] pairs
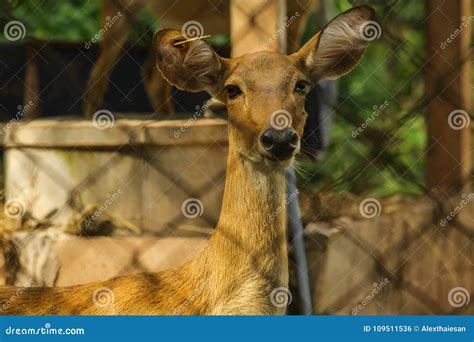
{"points": [[302, 87], [232, 91]]}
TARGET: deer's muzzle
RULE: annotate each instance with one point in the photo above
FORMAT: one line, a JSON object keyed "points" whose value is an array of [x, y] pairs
{"points": [[279, 144]]}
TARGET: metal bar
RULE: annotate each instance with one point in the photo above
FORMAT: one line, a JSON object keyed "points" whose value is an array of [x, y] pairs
{"points": [[295, 226]]}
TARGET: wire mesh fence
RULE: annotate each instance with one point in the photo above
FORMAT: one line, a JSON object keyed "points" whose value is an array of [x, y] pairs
{"points": [[377, 148]]}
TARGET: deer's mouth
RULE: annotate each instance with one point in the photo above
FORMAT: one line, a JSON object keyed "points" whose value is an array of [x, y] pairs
{"points": [[282, 160], [281, 155], [273, 161]]}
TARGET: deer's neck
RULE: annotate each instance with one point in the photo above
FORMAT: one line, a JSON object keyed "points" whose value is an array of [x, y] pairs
{"points": [[250, 236]]}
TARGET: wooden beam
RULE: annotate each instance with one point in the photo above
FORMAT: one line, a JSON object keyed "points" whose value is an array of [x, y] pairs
{"points": [[448, 94], [31, 100], [256, 25]]}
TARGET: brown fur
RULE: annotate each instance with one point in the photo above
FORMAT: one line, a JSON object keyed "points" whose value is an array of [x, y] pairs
{"points": [[246, 258]]}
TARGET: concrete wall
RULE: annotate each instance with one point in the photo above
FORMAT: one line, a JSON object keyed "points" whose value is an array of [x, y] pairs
{"points": [[142, 171]]}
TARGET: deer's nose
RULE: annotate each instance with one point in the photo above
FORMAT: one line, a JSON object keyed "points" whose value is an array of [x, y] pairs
{"points": [[279, 143]]}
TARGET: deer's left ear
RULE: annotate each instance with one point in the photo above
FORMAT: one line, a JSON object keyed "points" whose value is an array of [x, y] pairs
{"points": [[191, 66], [338, 47]]}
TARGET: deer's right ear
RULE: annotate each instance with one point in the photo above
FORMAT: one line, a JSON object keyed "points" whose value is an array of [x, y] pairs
{"points": [[339, 46], [191, 66]]}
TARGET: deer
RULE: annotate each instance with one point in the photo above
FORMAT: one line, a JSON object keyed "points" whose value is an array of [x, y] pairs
{"points": [[214, 16], [245, 260]]}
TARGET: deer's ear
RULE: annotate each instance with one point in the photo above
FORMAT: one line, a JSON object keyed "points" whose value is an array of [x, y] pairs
{"points": [[191, 66], [338, 47]]}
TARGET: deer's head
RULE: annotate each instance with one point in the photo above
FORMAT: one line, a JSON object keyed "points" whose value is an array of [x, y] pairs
{"points": [[265, 91]]}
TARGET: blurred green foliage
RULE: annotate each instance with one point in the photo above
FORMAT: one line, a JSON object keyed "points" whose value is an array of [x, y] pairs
{"points": [[386, 158], [389, 155], [73, 20]]}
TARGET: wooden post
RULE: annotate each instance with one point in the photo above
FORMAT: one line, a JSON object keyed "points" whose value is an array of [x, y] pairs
{"points": [[257, 25], [31, 105], [448, 94]]}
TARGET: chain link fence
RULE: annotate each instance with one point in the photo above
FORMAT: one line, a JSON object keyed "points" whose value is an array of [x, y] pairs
{"points": [[377, 149]]}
